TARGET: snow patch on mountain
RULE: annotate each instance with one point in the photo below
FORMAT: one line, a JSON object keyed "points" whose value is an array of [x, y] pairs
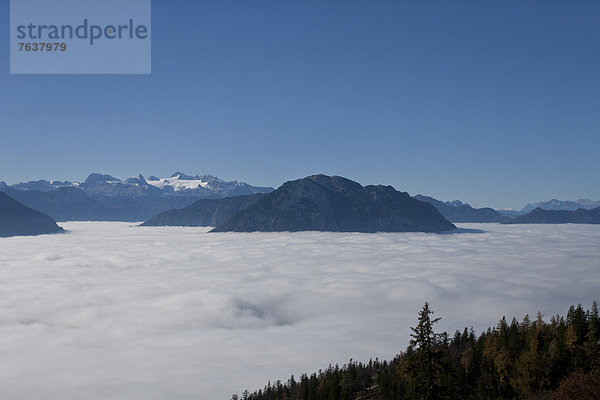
{"points": [[180, 182]]}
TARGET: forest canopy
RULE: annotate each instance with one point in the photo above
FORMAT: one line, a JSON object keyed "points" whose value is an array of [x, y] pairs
{"points": [[528, 359]]}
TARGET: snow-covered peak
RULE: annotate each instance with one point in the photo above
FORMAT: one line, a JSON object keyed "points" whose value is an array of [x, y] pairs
{"points": [[179, 181], [178, 184]]}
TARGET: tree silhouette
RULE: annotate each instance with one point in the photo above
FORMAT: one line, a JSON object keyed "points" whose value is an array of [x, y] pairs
{"points": [[425, 354]]}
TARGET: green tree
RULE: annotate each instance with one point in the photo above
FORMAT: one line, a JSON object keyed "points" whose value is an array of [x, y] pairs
{"points": [[424, 356]]}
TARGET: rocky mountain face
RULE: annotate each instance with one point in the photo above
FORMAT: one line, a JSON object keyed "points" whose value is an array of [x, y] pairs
{"points": [[41, 185], [204, 212], [324, 203], [19, 220], [104, 197], [539, 216], [457, 211]]}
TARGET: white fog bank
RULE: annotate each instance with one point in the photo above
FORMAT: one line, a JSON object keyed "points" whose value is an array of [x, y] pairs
{"points": [[113, 311]]}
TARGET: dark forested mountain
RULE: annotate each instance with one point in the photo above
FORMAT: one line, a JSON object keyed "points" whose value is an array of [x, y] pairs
{"points": [[104, 197], [324, 203], [457, 211], [532, 359], [19, 220], [204, 212], [539, 216]]}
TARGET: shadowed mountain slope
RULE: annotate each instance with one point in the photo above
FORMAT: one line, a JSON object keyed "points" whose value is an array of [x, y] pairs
{"points": [[205, 212], [324, 203], [457, 211], [19, 220]]}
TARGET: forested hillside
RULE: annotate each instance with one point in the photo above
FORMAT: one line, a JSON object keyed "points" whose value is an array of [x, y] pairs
{"points": [[531, 359]]}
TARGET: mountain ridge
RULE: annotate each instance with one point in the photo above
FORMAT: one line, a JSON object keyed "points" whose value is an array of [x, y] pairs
{"points": [[337, 204], [104, 197], [555, 204], [541, 216], [177, 183], [457, 211]]}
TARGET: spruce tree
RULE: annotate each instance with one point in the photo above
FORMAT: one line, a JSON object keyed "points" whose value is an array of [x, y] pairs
{"points": [[425, 355]]}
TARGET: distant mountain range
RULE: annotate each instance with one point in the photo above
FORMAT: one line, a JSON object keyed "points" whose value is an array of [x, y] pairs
{"points": [[457, 211], [336, 204], [539, 216], [554, 204], [178, 184], [509, 213], [204, 200], [232, 213], [104, 197], [19, 220], [568, 205]]}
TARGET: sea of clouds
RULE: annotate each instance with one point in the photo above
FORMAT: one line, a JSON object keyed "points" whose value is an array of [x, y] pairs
{"points": [[114, 311]]}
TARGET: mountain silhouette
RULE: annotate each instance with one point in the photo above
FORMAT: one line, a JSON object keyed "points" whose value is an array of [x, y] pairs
{"points": [[333, 203], [19, 220]]}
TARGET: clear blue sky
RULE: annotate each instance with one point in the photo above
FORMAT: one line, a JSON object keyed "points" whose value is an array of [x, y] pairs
{"points": [[496, 103]]}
